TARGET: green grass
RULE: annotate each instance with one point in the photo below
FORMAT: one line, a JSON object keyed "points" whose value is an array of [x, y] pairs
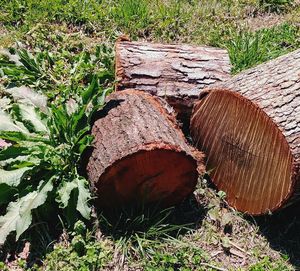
{"points": [[84, 252], [266, 264], [247, 49], [215, 23]]}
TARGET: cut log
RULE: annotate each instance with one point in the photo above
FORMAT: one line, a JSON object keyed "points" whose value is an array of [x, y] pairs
{"points": [[249, 128], [140, 155], [177, 73]]}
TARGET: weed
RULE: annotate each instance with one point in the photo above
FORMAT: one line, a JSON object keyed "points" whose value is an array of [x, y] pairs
{"points": [[266, 264], [83, 252], [185, 258], [60, 74], [41, 164]]}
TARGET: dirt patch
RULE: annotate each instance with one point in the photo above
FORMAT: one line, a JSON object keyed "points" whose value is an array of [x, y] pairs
{"points": [[6, 38], [264, 21]]}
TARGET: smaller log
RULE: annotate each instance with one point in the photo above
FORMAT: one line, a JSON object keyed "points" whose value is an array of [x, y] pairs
{"points": [[177, 73], [139, 153]]}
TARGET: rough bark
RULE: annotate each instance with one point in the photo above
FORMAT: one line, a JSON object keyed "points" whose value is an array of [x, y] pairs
{"points": [[175, 72], [250, 128], [139, 153]]}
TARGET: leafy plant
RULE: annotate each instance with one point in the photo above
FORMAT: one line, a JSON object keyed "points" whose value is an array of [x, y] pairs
{"points": [[83, 252], [267, 264], [184, 258], [60, 74], [72, 11], [41, 164]]}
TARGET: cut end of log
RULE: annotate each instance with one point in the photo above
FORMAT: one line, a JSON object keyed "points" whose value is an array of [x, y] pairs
{"points": [[159, 175], [248, 155]]}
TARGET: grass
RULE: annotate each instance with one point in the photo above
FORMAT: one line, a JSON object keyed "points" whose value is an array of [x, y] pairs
{"points": [[247, 49], [275, 5], [202, 233], [153, 240], [216, 23]]}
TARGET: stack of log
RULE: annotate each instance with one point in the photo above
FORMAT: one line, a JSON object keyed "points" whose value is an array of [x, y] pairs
{"points": [[247, 125]]}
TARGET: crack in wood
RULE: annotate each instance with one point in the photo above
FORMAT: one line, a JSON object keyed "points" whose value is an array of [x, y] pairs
{"points": [[237, 151]]}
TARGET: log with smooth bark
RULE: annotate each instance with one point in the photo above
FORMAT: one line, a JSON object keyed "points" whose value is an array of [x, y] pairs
{"points": [[139, 153], [249, 128], [175, 72]]}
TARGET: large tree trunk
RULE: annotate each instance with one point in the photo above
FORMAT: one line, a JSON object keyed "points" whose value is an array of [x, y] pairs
{"points": [[175, 72], [139, 153], [250, 129]]}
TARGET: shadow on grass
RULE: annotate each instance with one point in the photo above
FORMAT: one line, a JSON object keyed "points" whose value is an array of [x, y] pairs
{"points": [[133, 228], [139, 232], [152, 221], [34, 244], [282, 230]]}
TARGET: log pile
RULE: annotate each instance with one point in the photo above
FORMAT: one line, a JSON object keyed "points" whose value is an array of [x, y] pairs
{"points": [[177, 73], [249, 127], [140, 154]]}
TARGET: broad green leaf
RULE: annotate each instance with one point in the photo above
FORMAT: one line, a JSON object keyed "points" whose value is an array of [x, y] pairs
{"points": [[59, 123], [85, 142], [79, 136], [4, 103], [101, 99], [64, 192], [22, 137], [21, 161], [26, 95], [79, 120], [6, 193], [60, 116], [18, 217], [84, 195], [28, 113], [9, 161], [91, 91], [12, 177], [7, 124], [28, 61], [12, 152]]}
